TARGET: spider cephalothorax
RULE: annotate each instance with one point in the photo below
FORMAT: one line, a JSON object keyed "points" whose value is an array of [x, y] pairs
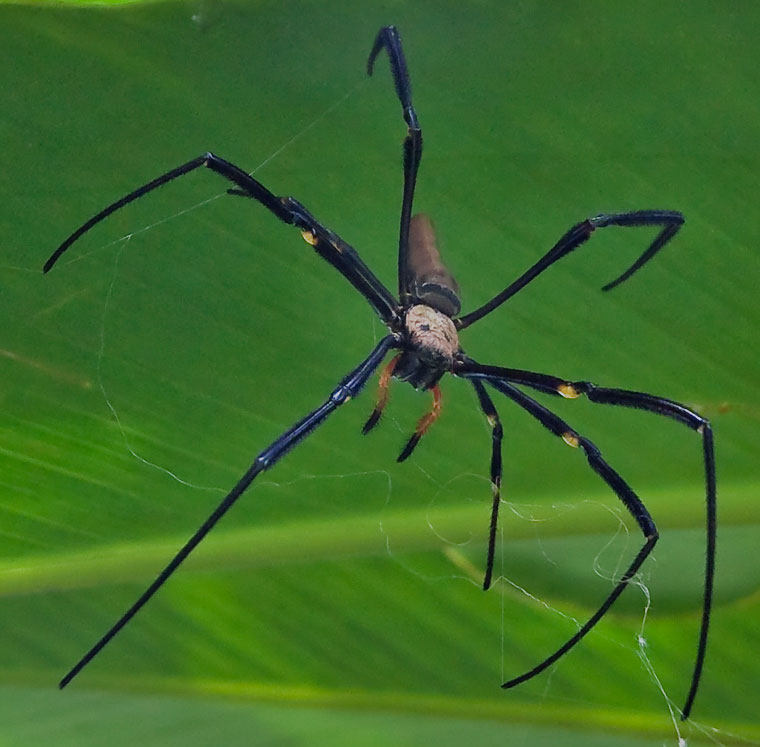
{"points": [[423, 322], [433, 344]]}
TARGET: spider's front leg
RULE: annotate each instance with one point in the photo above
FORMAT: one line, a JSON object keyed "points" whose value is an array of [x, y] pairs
{"points": [[670, 220], [388, 38], [326, 243]]}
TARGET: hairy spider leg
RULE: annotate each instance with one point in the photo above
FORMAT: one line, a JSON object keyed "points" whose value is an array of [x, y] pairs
{"points": [[497, 434], [422, 426], [389, 39], [327, 243], [349, 387], [382, 394], [658, 406], [671, 220]]}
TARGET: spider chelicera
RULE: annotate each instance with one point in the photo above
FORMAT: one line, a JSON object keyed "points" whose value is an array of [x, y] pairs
{"points": [[424, 325]]}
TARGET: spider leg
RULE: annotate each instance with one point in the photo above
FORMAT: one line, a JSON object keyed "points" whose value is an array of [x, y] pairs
{"points": [[497, 433], [326, 243], [389, 39], [623, 491], [670, 220], [676, 411], [659, 406], [348, 388], [422, 426]]}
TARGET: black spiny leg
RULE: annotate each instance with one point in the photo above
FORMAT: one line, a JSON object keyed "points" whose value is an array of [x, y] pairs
{"points": [[623, 491], [349, 387], [389, 39], [326, 243], [659, 406], [676, 411], [497, 433], [670, 220]]}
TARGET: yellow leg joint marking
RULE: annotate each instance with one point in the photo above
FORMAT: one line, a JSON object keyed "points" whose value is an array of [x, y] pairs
{"points": [[309, 238], [491, 421], [571, 439], [568, 390]]}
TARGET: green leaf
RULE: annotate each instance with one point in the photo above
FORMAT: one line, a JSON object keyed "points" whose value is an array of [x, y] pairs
{"points": [[339, 602]]}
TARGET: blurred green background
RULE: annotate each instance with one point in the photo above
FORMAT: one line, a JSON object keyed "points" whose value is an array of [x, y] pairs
{"points": [[339, 602]]}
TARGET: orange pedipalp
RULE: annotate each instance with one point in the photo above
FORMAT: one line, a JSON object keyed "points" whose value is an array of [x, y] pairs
{"points": [[382, 394]]}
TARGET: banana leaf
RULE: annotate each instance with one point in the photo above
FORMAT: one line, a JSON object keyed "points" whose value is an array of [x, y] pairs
{"points": [[339, 602]]}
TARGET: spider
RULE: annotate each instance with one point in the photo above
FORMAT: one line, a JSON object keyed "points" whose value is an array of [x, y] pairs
{"points": [[424, 324]]}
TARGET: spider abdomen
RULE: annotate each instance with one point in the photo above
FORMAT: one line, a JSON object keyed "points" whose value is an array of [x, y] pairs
{"points": [[432, 344]]}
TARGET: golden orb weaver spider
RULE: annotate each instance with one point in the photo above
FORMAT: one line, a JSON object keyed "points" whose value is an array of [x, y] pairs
{"points": [[423, 326]]}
